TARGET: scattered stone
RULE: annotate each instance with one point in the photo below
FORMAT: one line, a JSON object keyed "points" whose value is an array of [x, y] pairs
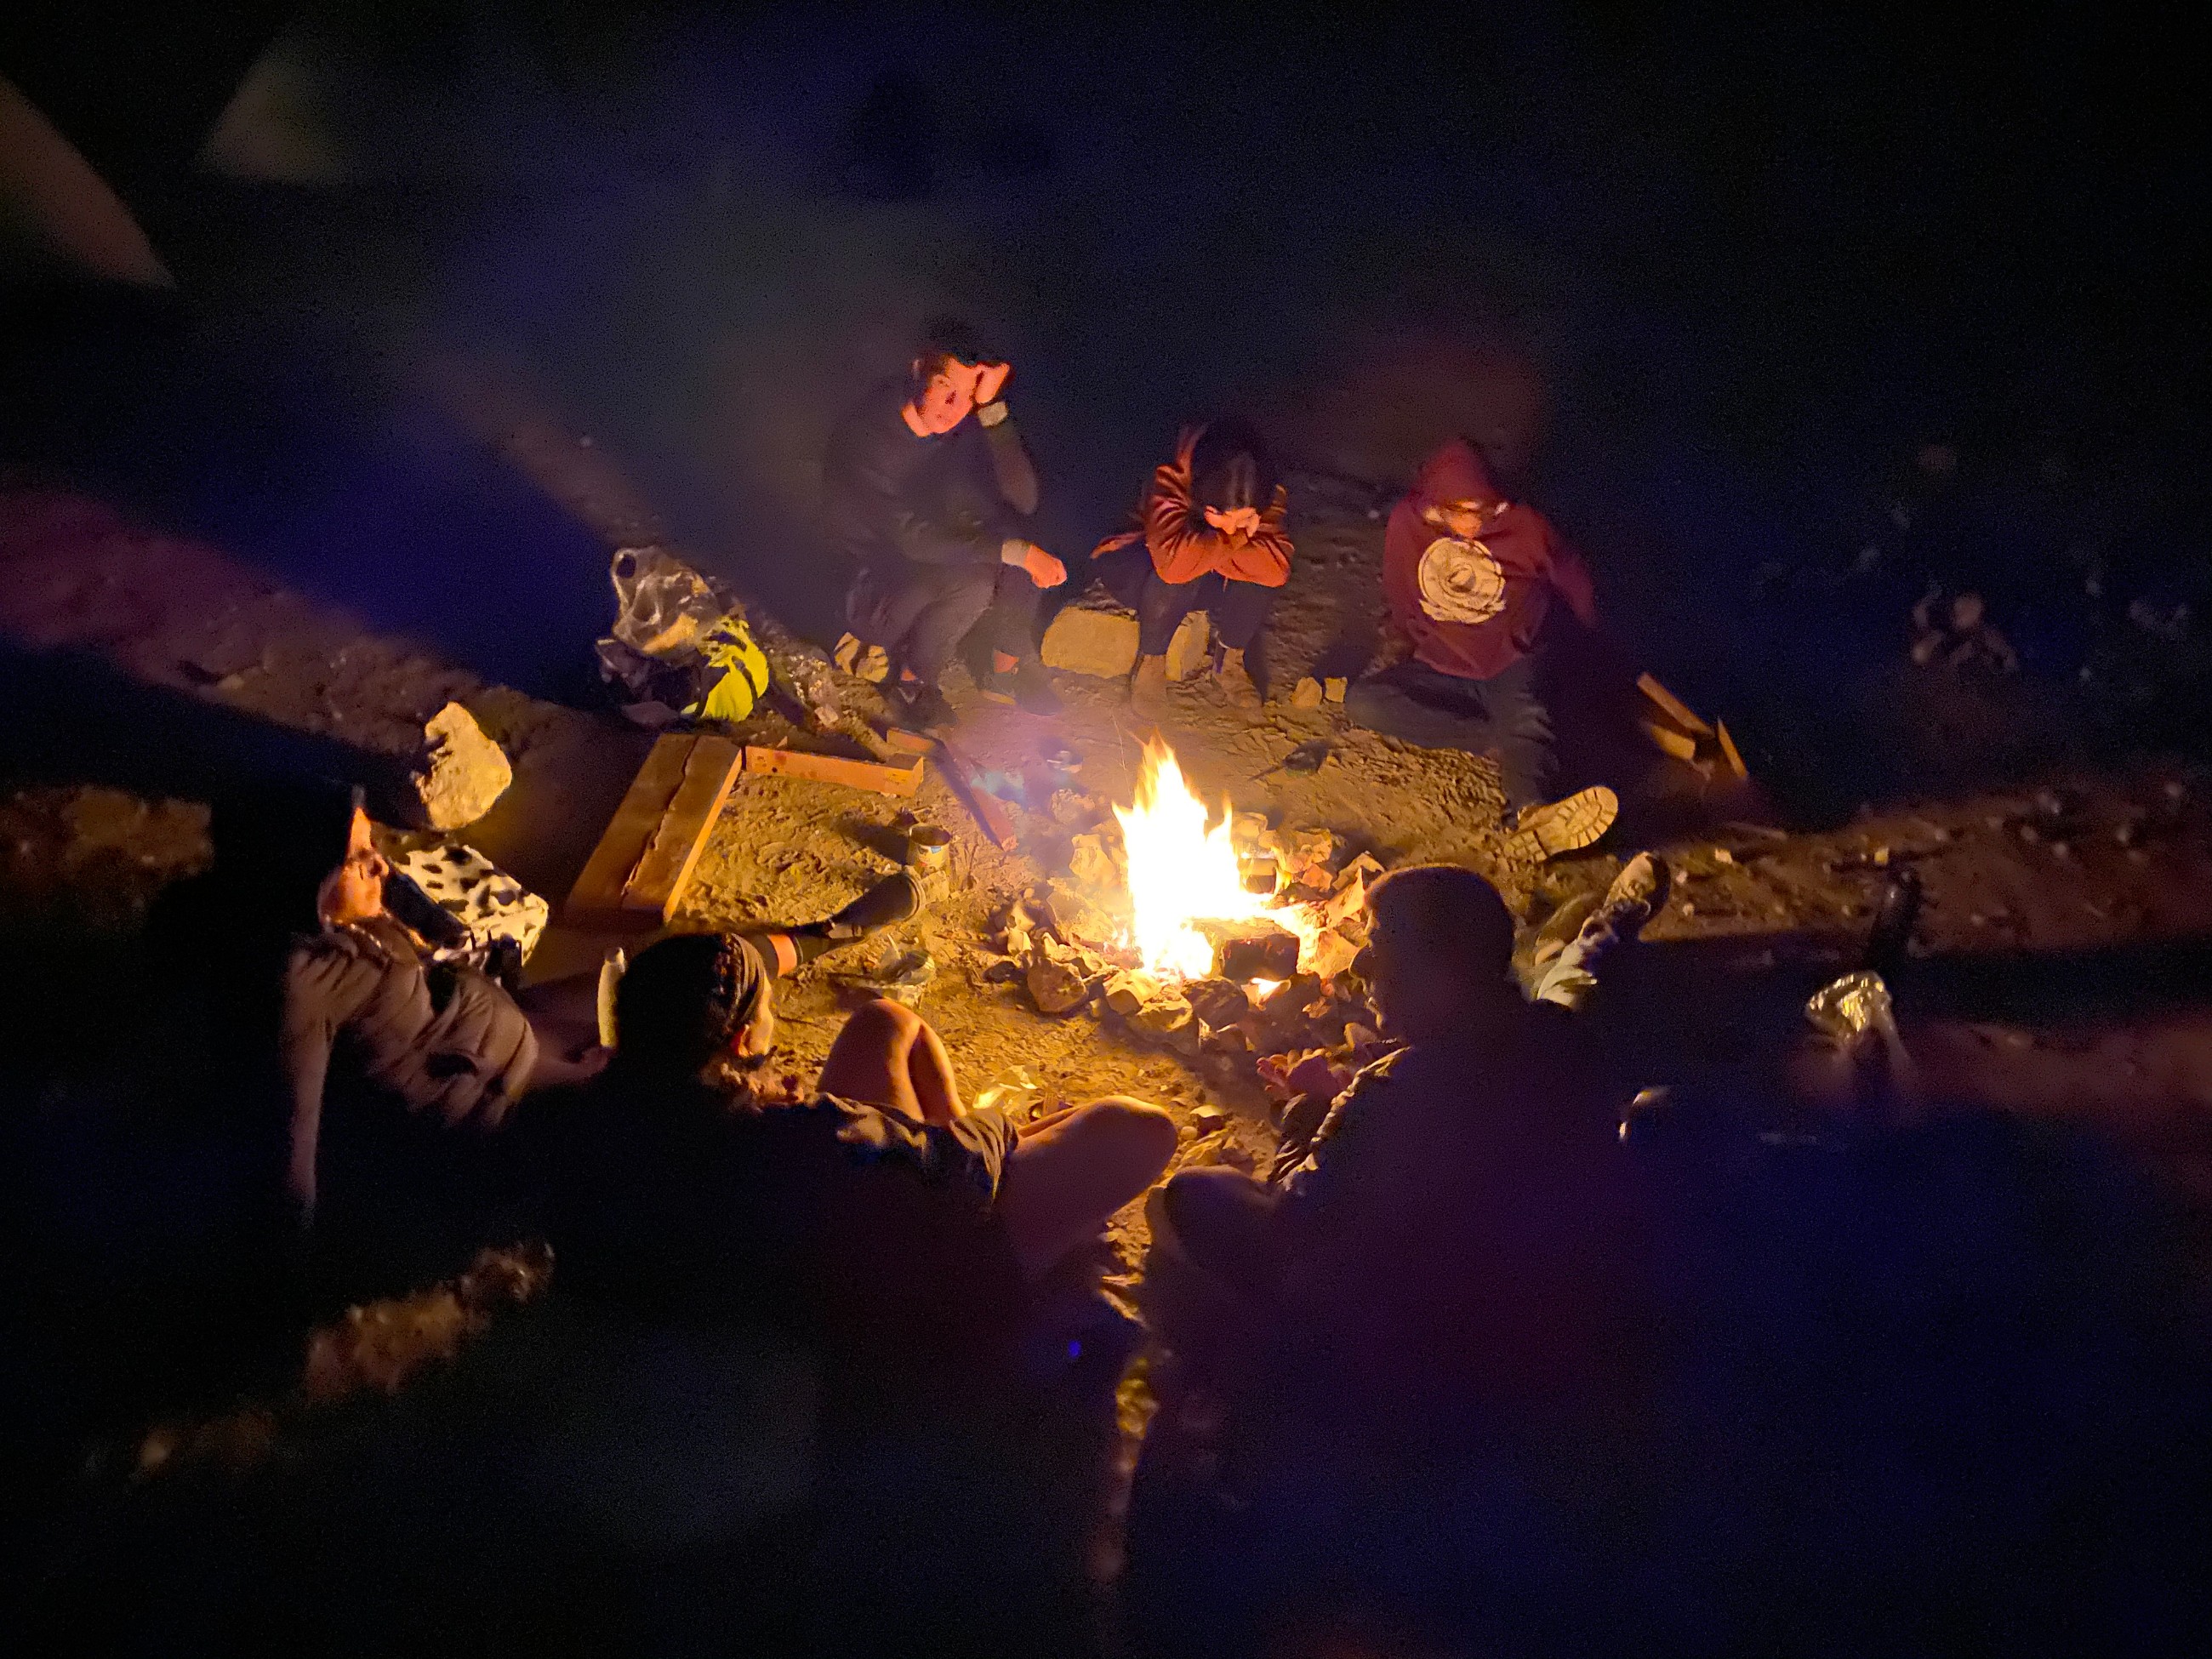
{"points": [[1219, 1002], [1091, 865], [1070, 808], [1129, 990], [1306, 693], [1333, 953], [1332, 689], [1209, 1120], [1722, 855], [1056, 988], [462, 772]]}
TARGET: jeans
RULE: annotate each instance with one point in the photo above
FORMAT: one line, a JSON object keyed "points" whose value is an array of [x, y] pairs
{"points": [[919, 613], [1239, 610], [1425, 706]]}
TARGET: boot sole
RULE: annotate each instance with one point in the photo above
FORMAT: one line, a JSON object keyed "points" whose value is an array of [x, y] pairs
{"points": [[1567, 826]]}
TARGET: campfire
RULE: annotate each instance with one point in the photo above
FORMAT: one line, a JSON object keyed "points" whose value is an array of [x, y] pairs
{"points": [[1203, 932], [1182, 872]]}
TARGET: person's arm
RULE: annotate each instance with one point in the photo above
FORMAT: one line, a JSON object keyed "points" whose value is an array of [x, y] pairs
{"points": [[1011, 465], [1263, 558], [317, 994], [1571, 577], [1181, 552]]}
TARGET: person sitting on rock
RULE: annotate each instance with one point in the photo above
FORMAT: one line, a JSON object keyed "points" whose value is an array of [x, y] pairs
{"points": [[879, 1213], [1470, 577], [1213, 522], [390, 1066], [932, 509]]}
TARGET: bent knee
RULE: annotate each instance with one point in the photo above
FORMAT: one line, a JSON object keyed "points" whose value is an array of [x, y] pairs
{"points": [[1138, 1122], [892, 1019]]}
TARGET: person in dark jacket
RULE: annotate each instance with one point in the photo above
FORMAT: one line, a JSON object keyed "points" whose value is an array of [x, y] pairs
{"points": [[1471, 579], [1213, 524], [390, 1067], [931, 509]]}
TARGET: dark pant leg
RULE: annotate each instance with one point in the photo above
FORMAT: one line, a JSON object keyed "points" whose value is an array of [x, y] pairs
{"points": [[1240, 612], [1522, 725], [1423, 706], [1010, 624], [920, 612], [1162, 606]]}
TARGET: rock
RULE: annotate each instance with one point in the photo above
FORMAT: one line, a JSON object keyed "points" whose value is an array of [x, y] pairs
{"points": [[1094, 636], [1272, 954], [1306, 693], [1078, 920], [1187, 651], [1309, 850], [462, 772], [1248, 834], [1333, 953], [1209, 1120], [1218, 1002], [1129, 990], [1056, 988], [1070, 807], [1166, 1016], [1332, 689], [1091, 865]]}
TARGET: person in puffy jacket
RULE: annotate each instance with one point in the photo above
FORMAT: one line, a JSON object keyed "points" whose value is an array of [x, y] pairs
{"points": [[1472, 579], [1214, 523]]}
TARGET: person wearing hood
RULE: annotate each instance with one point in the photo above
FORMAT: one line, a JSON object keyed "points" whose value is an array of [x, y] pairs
{"points": [[1471, 579]]}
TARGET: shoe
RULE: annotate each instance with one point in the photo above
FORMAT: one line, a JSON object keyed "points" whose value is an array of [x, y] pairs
{"points": [[1562, 826], [1557, 929], [1148, 685], [894, 899], [1636, 894], [919, 708], [1236, 683], [1024, 685]]}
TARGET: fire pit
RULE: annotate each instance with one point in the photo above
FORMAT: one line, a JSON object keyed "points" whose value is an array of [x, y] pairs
{"points": [[1196, 931]]}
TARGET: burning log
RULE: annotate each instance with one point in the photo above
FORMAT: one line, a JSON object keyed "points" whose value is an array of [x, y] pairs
{"points": [[1268, 953]]}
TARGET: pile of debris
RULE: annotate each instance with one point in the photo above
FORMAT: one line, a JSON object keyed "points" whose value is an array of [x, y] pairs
{"points": [[1282, 988]]}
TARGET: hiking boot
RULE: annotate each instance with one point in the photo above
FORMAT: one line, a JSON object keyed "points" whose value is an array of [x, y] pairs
{"points": [[1236, 683], [919, 708], [1563, 826], [1148, 685], [1024, 685]]}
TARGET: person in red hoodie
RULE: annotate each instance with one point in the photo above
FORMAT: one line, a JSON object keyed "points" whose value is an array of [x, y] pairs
{"points": [[1214, 523], [1471, 579]]}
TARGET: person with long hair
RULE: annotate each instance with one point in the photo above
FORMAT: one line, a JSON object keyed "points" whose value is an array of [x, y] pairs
{"points": [[1213, 524]]}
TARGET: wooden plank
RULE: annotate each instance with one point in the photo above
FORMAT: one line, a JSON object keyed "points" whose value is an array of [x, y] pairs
{"points": [[912, 742], [598, 888], [1680, 746], [1676, 709], [836, 768], [980, 801], [1729, 751], [671, 853]]}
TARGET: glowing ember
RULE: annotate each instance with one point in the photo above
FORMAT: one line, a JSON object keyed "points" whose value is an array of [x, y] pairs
{"points": [[1182, 871]]}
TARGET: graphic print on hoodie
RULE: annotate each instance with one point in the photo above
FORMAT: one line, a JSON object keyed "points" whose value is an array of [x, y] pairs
{"points": [[1476, 607]]}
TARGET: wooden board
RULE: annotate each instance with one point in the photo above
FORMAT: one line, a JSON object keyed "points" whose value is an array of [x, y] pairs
{"points": [[1676, 709], [1729, 751], [984, 805], [1680, 744], [836, 768], [598, 888], [671, 853]]}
